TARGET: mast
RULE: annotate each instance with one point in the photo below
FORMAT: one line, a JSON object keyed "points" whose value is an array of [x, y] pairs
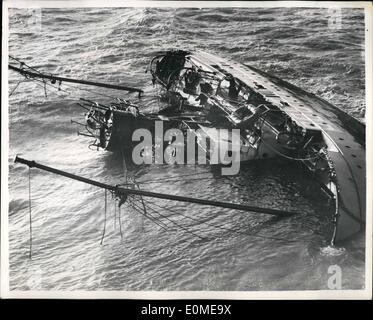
{"points": [[128, 191], [62, 79]]}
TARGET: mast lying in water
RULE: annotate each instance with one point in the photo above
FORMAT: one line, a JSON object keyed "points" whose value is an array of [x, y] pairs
{"points": [[124, 192], [30, 72]]}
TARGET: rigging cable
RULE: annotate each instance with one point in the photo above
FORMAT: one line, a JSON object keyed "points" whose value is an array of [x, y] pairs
{"points": [[29, 201], [115, 214], [15, 88], [224, 228], [120, 221], [57, 88], [175, 223], [149, 216], [38, 82], [24, 64], [103, 233]]}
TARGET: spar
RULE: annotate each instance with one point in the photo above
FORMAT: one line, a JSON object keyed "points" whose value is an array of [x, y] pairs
{"points": [[124, 192], [54, 79]]}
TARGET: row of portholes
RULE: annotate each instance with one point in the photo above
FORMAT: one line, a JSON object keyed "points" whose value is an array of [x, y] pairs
{"points": [[352, 155], [273, 86], [312, 124], [301, 105], [315, 115]]}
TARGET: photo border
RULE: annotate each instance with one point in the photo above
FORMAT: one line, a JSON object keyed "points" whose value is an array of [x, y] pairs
{"points": [[365, 293]]}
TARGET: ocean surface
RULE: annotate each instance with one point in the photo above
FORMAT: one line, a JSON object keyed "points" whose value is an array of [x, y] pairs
{"points": [[197, 247]]}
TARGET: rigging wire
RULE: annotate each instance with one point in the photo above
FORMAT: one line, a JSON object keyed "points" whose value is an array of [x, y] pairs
{"points": [[24, 64], [57, 88], [15, 88], [175, 223], [30, 216], [141, 198], [103, 232], [37, 81], [149, 216], [225, 228], [115, 214], [120, 221]]}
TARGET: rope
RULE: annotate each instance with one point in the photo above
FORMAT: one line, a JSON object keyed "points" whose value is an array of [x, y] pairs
{"points": [[142, 199], [15, 88], [24, 64], [37, 82], [29, 201], [120, 221], [175, 223], [103, 233], [57, 88], [115, 214], [149, 216], [225, 228], [45, 88], [125, 170]]}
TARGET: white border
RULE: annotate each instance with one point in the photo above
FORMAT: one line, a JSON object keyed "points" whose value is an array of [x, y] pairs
{"points": [[233, 295], [183, 4]]}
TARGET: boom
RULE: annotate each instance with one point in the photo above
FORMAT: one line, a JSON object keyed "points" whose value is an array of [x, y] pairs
{"points": [[127, 191], [56, 78]]}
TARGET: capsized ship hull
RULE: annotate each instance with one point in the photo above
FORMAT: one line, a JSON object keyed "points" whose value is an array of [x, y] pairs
{"points": [[275, 118], [326, 129], [346, 148]]}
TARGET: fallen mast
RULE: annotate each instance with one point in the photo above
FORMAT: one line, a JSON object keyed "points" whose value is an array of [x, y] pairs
{"points": [[124, 192]]}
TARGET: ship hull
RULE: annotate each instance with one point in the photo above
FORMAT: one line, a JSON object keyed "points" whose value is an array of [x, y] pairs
{"points": [[340, 171]]}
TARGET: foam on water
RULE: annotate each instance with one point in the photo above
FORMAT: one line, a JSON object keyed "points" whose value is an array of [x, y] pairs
{"points": [[332, 251]]}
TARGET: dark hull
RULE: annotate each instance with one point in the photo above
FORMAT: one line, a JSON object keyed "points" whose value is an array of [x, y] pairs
{"points": [[349, 162]]}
